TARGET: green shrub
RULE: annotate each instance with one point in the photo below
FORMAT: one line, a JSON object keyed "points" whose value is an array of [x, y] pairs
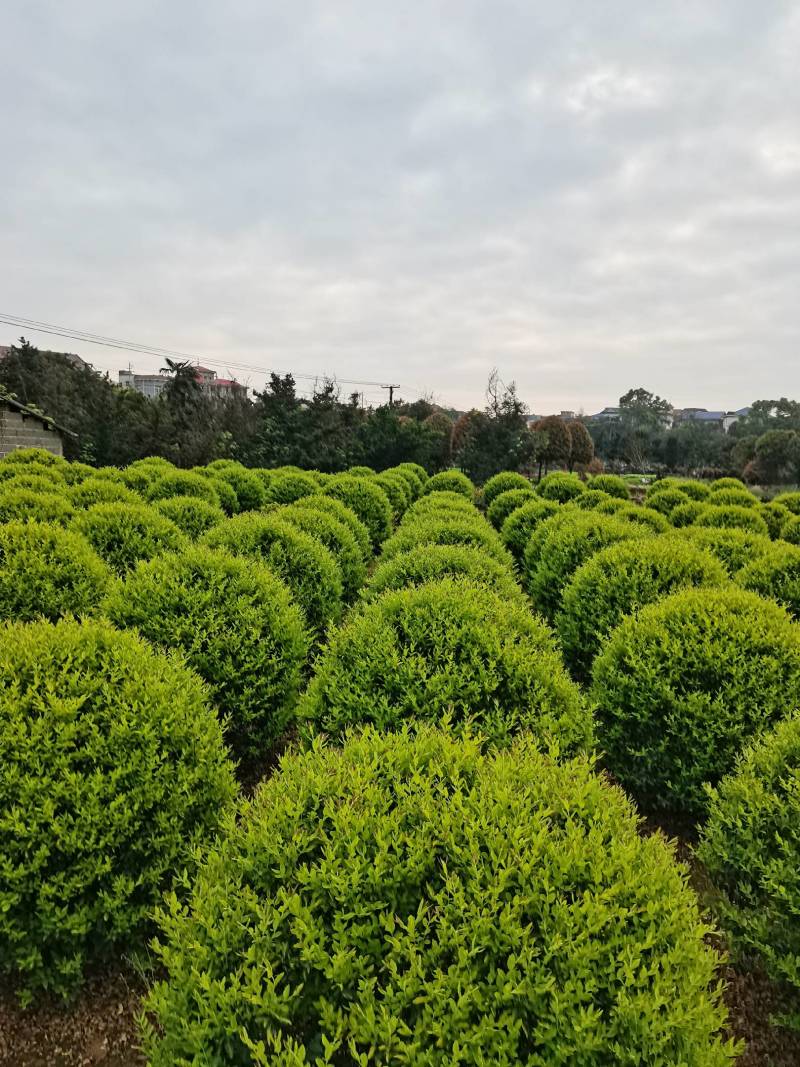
{"points": [[441, 503], [38, 456], [644, 516], [73, 473], [520, 524], [410, 477], [732, 517], [775, 574], [611, 484], [683, 685], [659, 484], [367, 500], [774, 515], [143, 472], [415, 468], [732, 498], [25, 505], [430, 563], [790, 501], [409, 900], [751, 849], [285, 488], [610, 506], [113, 769], [561, 544], [237, 626], [666, 500], [727, 483], [331, 506], [122, 534], [337, 537], [192, 515], [790, 531], [447, 650], [504, 503], [251, 493], [396, 488], [228, 500], [448, 530], [183, 483], [733, 548], [618, 581], [560, 486], [101, 491], [693, 489], [450, 481], [362, 471], [42, 483], [502, 483], [685, 514], [308, 568], [595, 498], [47, 572]]}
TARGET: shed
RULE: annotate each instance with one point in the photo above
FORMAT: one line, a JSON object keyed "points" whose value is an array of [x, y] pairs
{"points": [[24, 427]]}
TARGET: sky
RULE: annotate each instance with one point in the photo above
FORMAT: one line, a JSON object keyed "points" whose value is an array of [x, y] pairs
{"points": [[587, 196]]}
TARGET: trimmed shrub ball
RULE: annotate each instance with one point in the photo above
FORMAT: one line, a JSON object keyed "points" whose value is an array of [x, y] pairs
{"points": [[732, 517], [560, 545], [21, 473], [337, 537], [140, 474], [775, 574], [22, 505], [410, 477], [183, 483], [732, 498], [122, 534], [751, 849], [682, 686], [560, 486], [38, 456], [504, 503], [456, 530], [396, 488], [501, 483], [101, 491], [693, 489], [286, 487], [237, 626], [610, 506], [367, 500], [619, 580], [305, 564], [790, 501], [410, 900], [362, 471], [47, 572], [685, 514], [415, 468], [74, 473], [430, 563], [448, 650], [49, 482], [451, 481], [331, 506], [114, 768], [190, 514], [648, 517], [611, 484], [727, 483], [595, 498], [520, 524], [733, 548], [666, 500], [774, 515], [790, 531], [250, 491], [226, 494], [440, 503]]}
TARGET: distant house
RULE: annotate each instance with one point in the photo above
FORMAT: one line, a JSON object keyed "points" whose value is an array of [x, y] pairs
{"points": [[23, 427], [712, 420], [153, 385], [606, 415]]}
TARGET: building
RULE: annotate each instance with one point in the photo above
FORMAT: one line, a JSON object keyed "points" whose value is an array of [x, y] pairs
{"points": [[153, 385], [22, 427], [712, 420]]}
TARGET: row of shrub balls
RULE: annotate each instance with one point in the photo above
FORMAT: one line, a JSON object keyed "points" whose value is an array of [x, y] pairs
{"points": [[437, 873]]}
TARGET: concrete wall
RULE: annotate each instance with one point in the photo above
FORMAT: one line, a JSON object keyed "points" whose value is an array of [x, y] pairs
{"points": [[26, 431]]}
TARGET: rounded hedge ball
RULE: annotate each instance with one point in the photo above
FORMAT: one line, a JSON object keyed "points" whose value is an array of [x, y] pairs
{"points": [[751, 850], [732, 498], [612, 484], [114, 768], [287, 486], [732, 517], [775, 574], [97, 490], [331, 506], [122, 534], [396, 488], [441, 500], [183, 483], [25, 505], [451, 481], [250, 491], [733, 548], [502, 483], [560, 486], [682, 686], [304, 563], [337, 537], [237, 626], [190, 514], [448, 530], [411, 478], [430, 563], [367, 500], [620, 580], [447, 650], [666, 499], [520, 524], [410, 900], [506, 502]]}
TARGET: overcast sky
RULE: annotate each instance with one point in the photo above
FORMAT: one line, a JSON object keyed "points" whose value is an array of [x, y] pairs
{"points": [[588, 196]]}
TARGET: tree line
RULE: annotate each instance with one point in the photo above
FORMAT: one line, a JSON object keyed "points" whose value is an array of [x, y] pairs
{"points": [[329, 432]]}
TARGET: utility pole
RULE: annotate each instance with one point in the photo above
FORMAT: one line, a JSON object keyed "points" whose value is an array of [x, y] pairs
{"points": [[391, 389]]}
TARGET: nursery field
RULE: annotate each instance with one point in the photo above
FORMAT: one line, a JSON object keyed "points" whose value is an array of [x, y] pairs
{"points": [[383, 768]]}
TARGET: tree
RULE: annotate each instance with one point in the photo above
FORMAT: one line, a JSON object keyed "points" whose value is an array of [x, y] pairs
{"points": [[497, 438], [557, 441], [581, 451], [643, 419], [777, 456]]}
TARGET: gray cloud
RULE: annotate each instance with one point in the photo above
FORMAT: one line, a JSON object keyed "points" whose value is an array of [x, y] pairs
{"points": [[589, 197]]}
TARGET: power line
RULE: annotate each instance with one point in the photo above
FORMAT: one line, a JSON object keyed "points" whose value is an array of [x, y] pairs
{"points": [[38, 326]]}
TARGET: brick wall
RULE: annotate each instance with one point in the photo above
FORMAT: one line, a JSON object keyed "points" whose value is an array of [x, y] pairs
{"points": [[26, 431]]}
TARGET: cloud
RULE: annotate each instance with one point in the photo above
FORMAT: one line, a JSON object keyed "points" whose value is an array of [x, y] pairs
{"points": [[589, 197]]}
